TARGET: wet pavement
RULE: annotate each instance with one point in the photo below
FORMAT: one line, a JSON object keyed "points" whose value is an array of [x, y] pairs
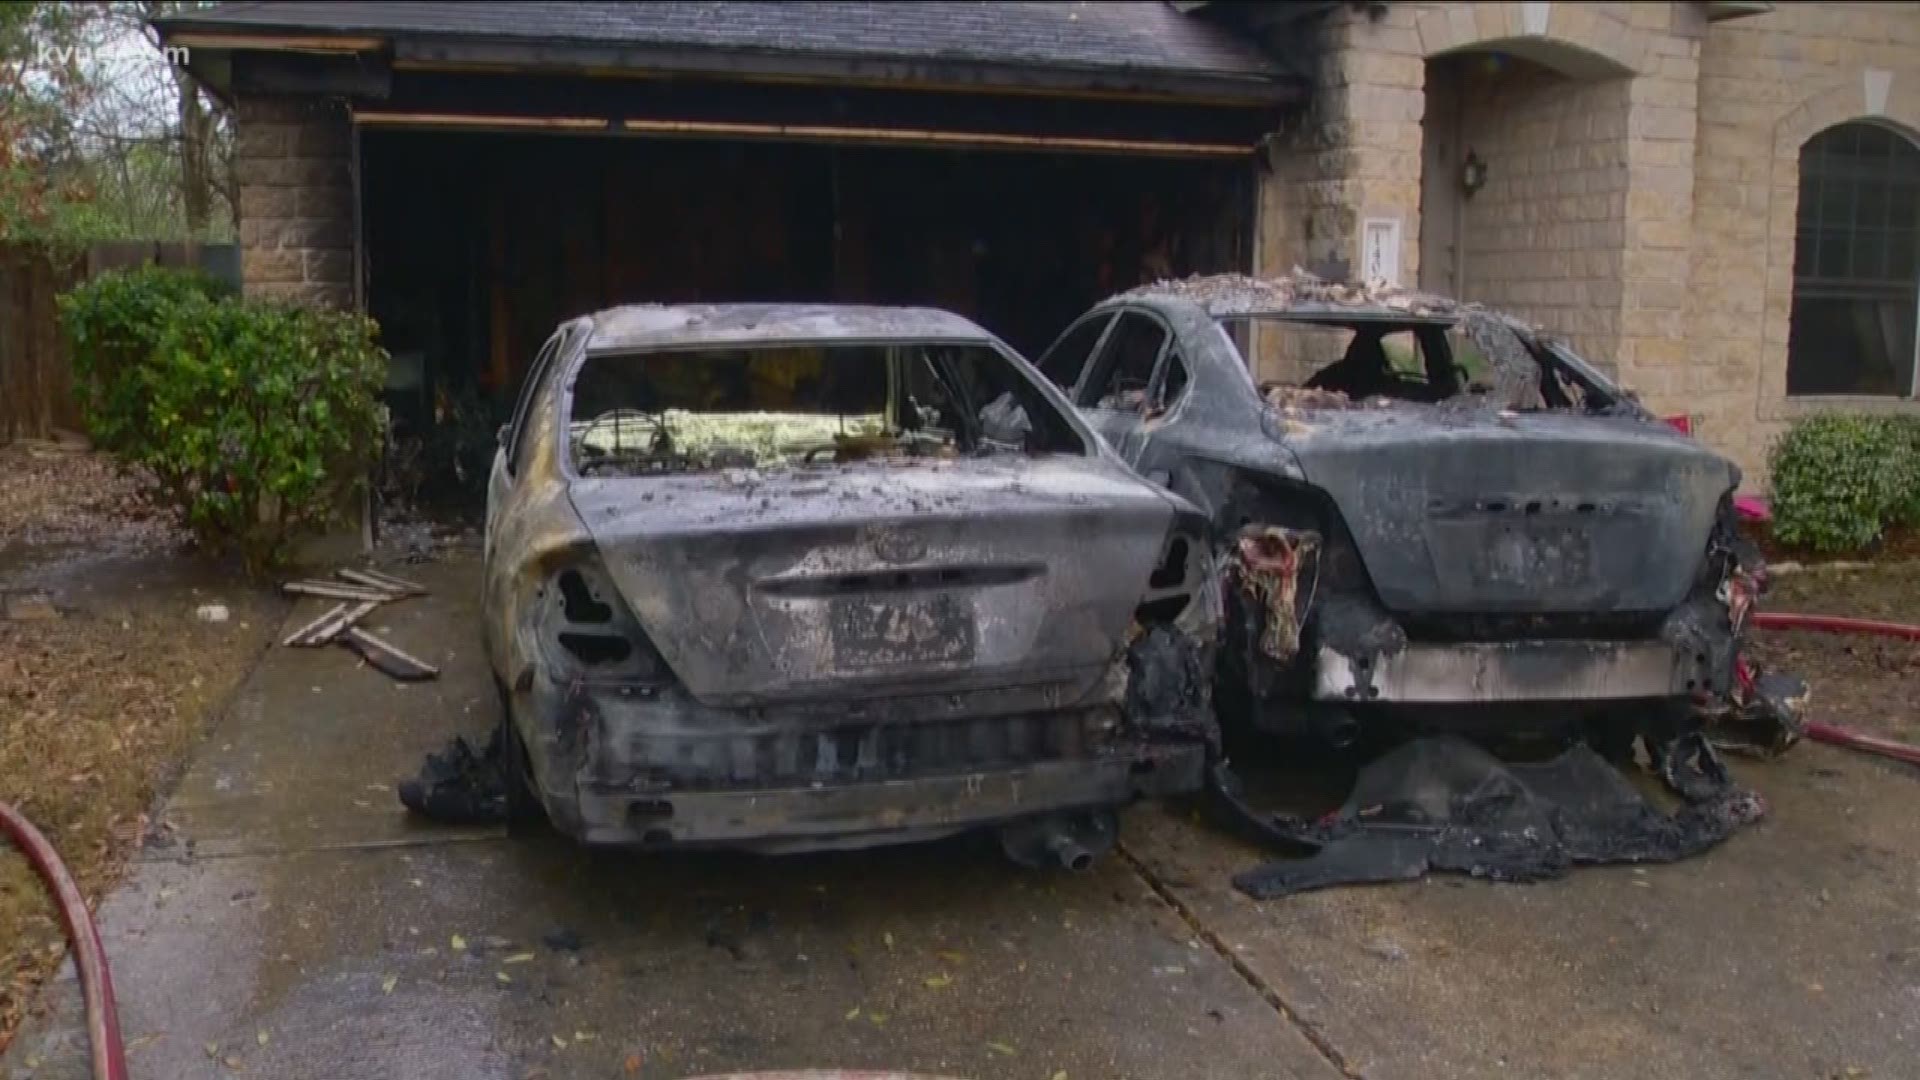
{"points": [[300, 925]]}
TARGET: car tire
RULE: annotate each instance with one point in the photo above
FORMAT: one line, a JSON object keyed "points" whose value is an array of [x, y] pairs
{"points": [[522, 804]]}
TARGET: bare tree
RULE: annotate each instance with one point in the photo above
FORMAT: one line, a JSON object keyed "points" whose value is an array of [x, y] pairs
{"points": [[202, 164], [124, 142]]}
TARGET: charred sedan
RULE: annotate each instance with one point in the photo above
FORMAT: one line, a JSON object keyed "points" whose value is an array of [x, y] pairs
{"points": [[1431, 508], [784, 577]]}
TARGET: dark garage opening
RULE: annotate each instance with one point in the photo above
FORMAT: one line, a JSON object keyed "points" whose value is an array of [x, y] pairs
{"points": [[476, 245]]}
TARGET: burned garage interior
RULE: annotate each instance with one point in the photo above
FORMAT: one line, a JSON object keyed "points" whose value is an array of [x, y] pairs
{"points": [[477, 245], [487, 209]]}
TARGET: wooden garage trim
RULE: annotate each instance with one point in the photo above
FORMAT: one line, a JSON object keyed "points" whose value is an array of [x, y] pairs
{"points": [[976, 140], [306, 43], [907, 137], [465, 120]]}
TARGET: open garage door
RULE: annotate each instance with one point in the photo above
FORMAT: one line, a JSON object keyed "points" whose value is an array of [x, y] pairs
{"points": [[475, 244]]}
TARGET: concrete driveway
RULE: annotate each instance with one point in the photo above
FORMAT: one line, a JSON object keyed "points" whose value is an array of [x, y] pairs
{"points": [[300, 925]]}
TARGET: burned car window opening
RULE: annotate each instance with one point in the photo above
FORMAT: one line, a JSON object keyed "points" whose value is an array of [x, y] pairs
{"points": [[794, 405], [1335, 363], [1125, 368], [1063, 362], [1175, 386]]}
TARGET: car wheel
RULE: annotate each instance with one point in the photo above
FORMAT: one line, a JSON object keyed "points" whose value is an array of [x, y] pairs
{"points": [[516, 776]]}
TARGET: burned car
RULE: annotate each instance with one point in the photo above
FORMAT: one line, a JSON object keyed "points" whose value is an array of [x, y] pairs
{"points": [[1428, 507], [782, 577]]}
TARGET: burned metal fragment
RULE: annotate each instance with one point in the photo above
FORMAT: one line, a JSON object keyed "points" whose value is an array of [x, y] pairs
{"points": [[458, 786], [1170, 684], [1444, 804], [1765, 715]]}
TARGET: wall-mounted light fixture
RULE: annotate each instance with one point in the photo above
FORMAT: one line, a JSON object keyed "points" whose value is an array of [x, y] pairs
{"points": [[1473, 174]]}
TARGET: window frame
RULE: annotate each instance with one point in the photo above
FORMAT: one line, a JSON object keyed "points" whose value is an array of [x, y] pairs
{"points": [[543, 361], [1082, 394], [1816, 165], [1071, 390], [1171, 356]]}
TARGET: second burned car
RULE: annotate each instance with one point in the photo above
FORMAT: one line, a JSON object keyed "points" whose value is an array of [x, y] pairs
{"points": [[786, 576], [1430, 513]]}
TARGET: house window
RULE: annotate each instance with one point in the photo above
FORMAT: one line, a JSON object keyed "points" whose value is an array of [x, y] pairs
{"points": [[1856, 264]]}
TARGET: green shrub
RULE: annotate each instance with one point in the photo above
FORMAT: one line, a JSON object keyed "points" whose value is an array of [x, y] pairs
{"points": [[113, 322], [1906, 511], [1840, 481], [256, 418]]}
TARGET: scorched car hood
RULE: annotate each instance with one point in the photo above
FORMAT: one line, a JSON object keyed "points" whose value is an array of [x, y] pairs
{"points": [[877, 578]]}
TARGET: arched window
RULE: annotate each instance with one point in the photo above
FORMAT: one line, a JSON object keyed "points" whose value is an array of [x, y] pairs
{"points": [[1856, 263]]}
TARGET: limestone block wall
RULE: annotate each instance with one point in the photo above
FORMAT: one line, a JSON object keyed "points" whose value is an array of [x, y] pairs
{"points": [[292, 165], [1588, 134], [1642, 186], [1355, 152], [1545, 238], [1766, 85]]}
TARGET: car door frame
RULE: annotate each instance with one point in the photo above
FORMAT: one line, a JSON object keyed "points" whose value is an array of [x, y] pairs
{"points": [[502, 479], [1072, 391], [1126, 430], [1155, 451]]}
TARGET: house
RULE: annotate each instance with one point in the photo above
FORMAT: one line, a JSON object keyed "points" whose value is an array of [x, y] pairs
{"points": [[1718, 200]]}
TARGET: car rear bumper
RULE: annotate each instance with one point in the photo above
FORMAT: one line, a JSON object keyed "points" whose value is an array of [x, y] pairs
{"points": [[1510, 671], [660, 770], [861, 813]]}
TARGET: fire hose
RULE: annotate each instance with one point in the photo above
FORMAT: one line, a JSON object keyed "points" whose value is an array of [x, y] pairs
{"points": [[1833, 734], [96, 982]]}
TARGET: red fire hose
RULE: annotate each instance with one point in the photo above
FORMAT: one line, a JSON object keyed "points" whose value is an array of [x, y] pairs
{"points": [[1833, 624], [96, 982], [1833, 734]]}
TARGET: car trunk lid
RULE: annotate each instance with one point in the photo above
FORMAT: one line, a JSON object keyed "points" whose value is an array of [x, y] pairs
{"points": [[1459, 510], [874, 579]]}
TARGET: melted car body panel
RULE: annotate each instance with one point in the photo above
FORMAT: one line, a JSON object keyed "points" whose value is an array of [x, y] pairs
{"points": [[1524, 533], [862, 578], [1519, 513], [861, 650]]}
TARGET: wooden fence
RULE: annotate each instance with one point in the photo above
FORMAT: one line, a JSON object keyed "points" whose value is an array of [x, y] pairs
{"points": [[36, 374]]}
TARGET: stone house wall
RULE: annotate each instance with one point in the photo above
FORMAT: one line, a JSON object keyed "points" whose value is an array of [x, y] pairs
{"points": [[1547, 234], [1767, 85], [1621, 96], [1642, 174], [291, 161]]}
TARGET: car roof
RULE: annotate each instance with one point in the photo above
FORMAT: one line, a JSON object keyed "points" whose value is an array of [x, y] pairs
{"points": [[1300, 297], [644, 326]]}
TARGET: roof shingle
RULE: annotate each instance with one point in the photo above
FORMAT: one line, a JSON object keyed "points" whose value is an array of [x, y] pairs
{"points": [[1133, 35]]}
